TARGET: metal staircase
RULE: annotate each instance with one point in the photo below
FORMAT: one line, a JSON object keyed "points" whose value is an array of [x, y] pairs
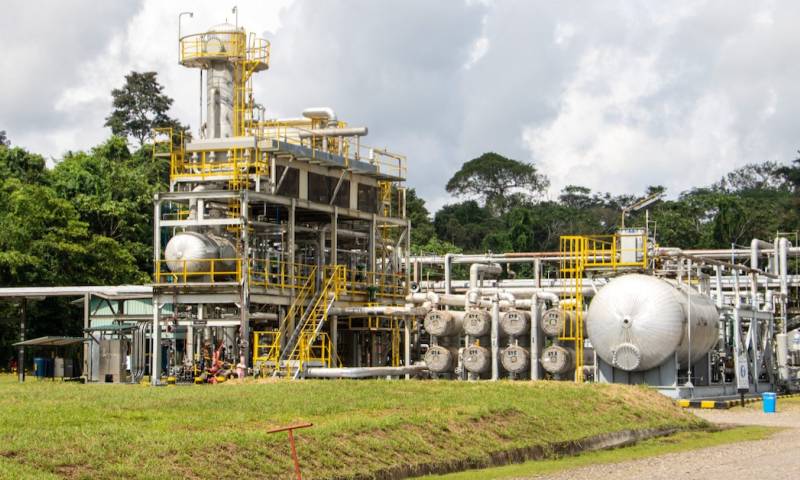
{"points": [[307, 344]]}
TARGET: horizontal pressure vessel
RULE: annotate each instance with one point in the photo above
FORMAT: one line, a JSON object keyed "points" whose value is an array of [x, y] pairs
{"points": [[636, 322], [194, 252]]}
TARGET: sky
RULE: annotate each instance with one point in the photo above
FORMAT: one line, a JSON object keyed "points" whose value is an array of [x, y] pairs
{"points": [[613, 95]]}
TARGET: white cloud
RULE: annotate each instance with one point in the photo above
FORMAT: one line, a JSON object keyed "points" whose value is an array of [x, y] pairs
{"points": [[563, 33]]}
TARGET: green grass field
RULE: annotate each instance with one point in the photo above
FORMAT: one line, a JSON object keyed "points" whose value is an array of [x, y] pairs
{"points": [[361, 428]]}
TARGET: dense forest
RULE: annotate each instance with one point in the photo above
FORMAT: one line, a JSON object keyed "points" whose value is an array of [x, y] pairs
{"points": [[87, 220]]}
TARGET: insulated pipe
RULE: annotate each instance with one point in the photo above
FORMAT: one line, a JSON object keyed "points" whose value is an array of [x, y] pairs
{"points": [[783, 253], [447, 264], [479, 270], [379, 310], [495, 340], [537, 302], [323, 113], [364, 372], [755, 244], [334, 132]]}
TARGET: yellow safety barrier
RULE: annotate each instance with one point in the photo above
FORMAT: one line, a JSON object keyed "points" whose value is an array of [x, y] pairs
{"points": [[206, 270]]}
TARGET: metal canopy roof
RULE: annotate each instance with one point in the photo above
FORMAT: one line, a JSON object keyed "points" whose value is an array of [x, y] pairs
{"points": [[50, 342], [119, 292]]}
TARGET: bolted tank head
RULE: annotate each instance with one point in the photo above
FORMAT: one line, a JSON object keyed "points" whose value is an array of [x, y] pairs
{"points": [[477, 323], [514, 322], [514, 359], [477, 359]]}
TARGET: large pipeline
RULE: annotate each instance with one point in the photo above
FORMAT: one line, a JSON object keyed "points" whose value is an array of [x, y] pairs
{"points": [[364, 372]]}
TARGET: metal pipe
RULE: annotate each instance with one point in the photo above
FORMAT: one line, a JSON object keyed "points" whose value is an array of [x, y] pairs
{"points": [[364, 372], [678, 253]]}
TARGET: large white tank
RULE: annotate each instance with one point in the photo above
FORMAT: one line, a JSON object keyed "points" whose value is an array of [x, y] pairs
{"points": [[192, 252], [636, 322]]}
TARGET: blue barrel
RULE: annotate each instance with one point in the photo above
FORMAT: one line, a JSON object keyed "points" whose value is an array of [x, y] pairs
{"points": [[40, 367], [770, 400]]}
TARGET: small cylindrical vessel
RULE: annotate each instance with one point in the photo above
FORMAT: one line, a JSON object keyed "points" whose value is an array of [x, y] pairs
{"points": [[514, 323], [514, 359], [441, 359], [477, 323], [441, 323], [557, 359], [477, 359], [556, 322]]}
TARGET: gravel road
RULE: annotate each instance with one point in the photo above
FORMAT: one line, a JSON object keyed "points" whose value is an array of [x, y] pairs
{"points": [[770, 459]]}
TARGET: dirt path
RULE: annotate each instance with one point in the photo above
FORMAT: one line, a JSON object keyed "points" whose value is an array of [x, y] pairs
{"points": [[770, 459]]}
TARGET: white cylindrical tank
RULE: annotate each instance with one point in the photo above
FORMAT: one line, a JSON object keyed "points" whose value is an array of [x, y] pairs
{"points": [[556, 322], [477, 359], [514, 359], [193, 252], [514, 323], [441, 359], [477, 323], [636, 322], [441, 323], [220, 81], [557, 359]]}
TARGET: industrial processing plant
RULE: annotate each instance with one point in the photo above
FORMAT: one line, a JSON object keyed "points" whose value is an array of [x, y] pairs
{"points": [[282, 249]]}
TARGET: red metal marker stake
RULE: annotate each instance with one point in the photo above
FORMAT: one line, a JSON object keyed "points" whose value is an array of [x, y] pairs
{"points": [[291, 429]]}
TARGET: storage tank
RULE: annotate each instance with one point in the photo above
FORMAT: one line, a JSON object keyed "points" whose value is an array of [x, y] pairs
{"points": [[514, 359], [514, 323], [441, 359], [636, 322], [192, 252], [477, 323], [553, 322], [441, 323], [477, 359], [557, 359]]}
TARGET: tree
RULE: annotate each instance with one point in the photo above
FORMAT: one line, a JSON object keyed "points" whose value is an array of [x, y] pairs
{"points": [[465, 224], [139, 107], [20, 164], [497, 181], [421, 226], [112, 191], [753, 176], [4, 141]]}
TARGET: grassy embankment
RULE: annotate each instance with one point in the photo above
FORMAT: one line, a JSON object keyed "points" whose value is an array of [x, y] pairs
{"points": [[360, 427]]}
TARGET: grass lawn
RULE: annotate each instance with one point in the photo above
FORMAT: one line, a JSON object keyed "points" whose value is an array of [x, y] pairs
{"points": [[679, 442], [361, 428]]}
